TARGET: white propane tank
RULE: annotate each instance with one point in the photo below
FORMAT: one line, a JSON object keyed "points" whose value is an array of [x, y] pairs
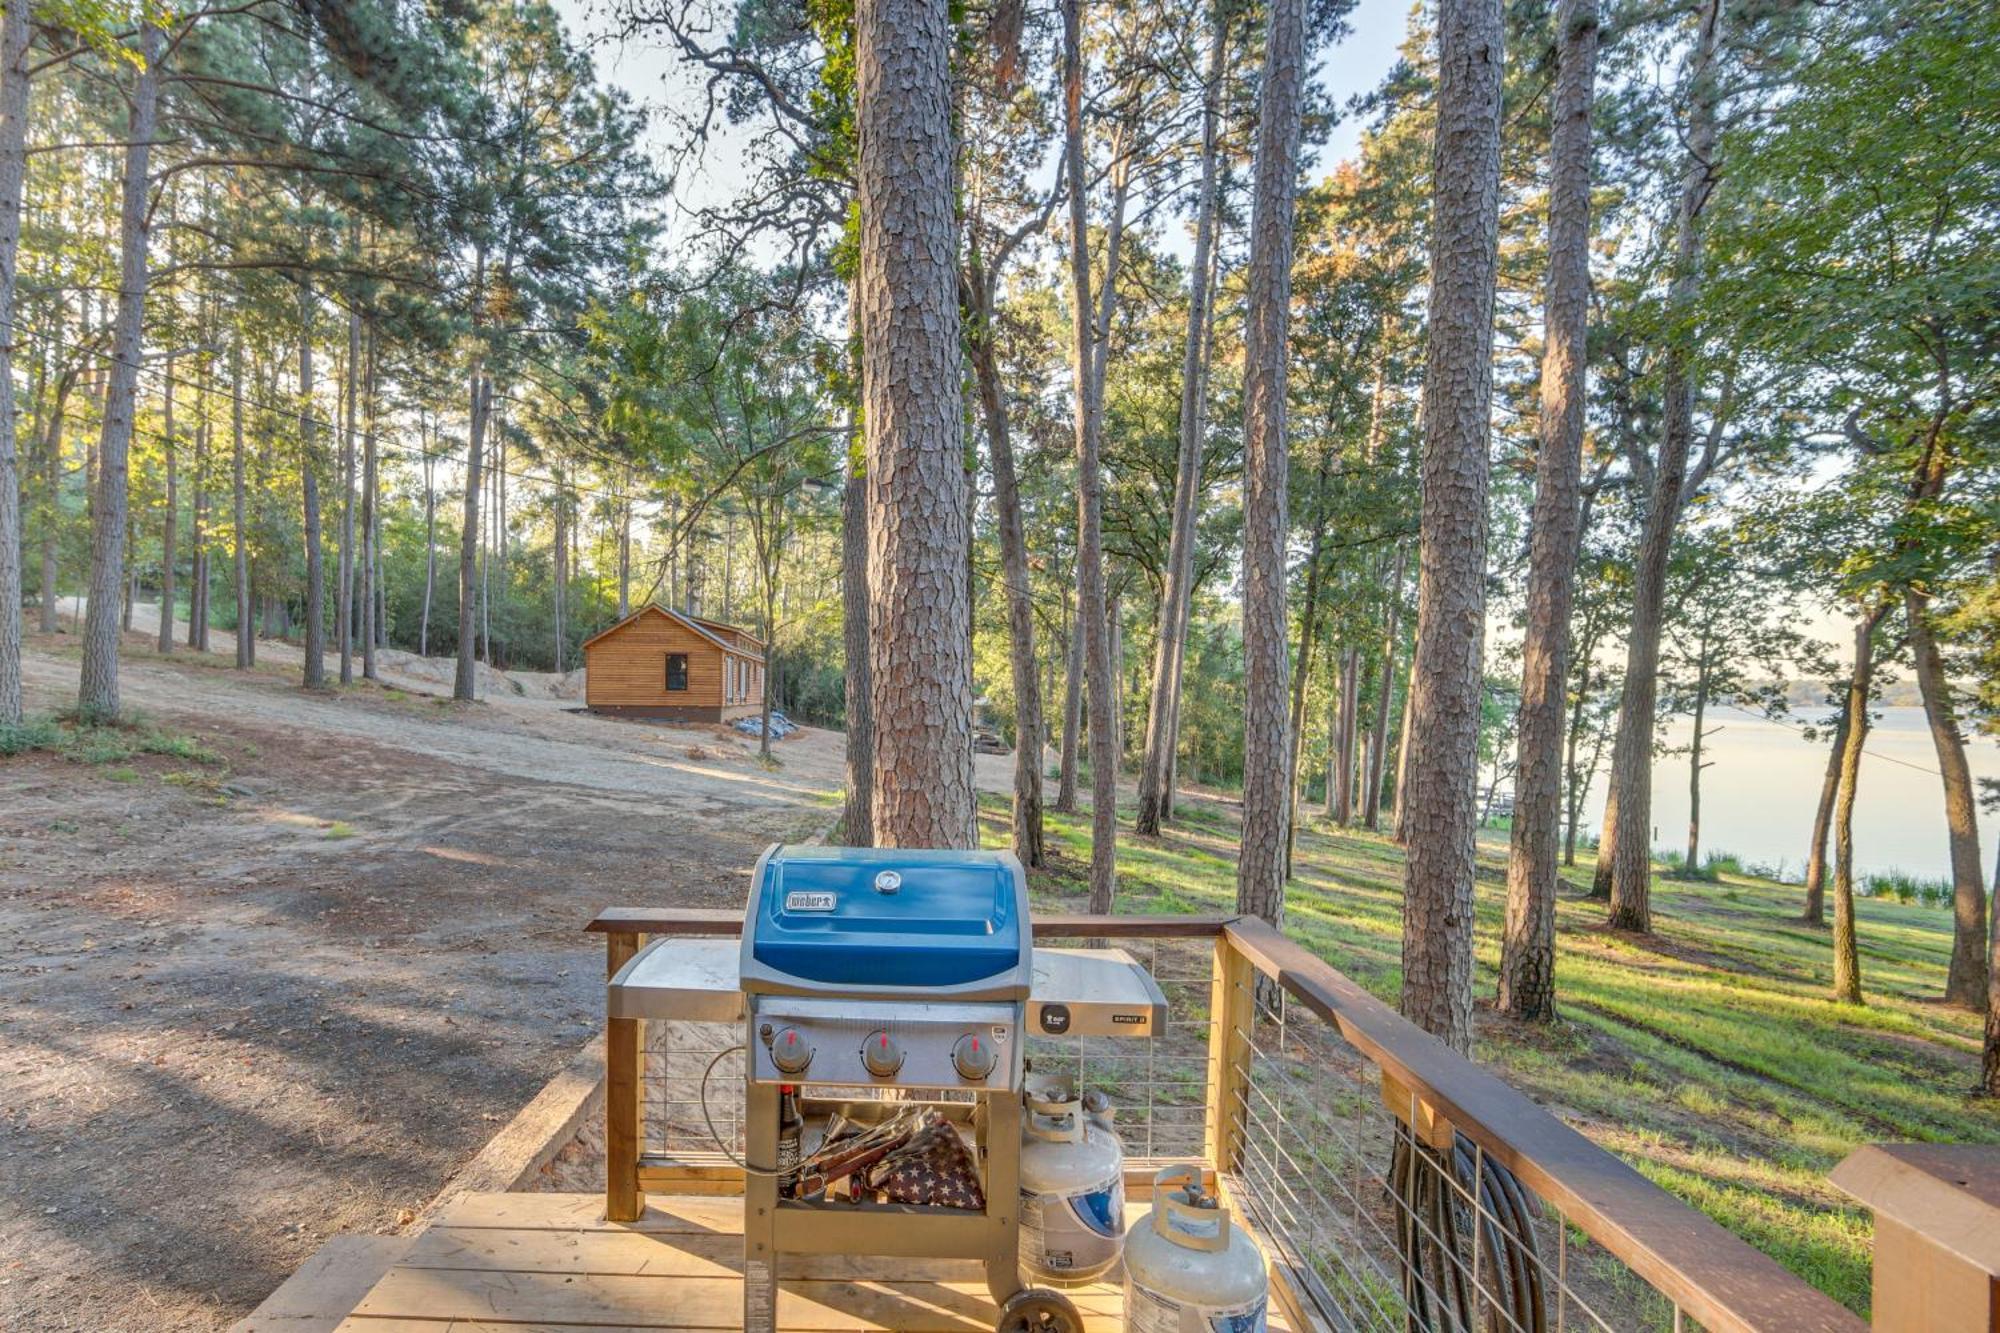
{"points": [[1072, 1217], [1187, 1270]]}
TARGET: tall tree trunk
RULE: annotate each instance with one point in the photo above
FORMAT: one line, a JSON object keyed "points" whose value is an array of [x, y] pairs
{"points": [[1451, 577], [920, 669], [1399, 802], [14, 34], [197, 635], [1378, 744], [1090, 609], [430, 555], [1528, 945], [465, 680], [97, 692], [1267, 775], [1171, 650], [858, 827], [1965, 982], [246, 631], [1692, 864], [344, 592], [1308, 623], [1629, 843], [52, 464], [168, 529], [1989, 1065], [1013, 569], [1846, 952], [1072, 716], [314, 674], [370, 521], [1815, 907], [1350, 717], [1329, 798]]}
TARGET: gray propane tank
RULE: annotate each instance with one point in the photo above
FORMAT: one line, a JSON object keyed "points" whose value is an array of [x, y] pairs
{"points": [[1187, 1270], [1072, 1216]]}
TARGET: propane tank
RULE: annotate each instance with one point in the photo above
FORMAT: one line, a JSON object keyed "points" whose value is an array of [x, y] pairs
{"points": [[1187, 1270], [1072, 1215]]}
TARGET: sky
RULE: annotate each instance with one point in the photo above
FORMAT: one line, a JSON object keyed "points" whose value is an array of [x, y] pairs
{"points": [[655, 78]]}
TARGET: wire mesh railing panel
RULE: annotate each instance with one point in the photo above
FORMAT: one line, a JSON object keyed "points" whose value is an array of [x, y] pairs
{"points": [[1382, 1219], [679, 1055], [1157, 1085]]}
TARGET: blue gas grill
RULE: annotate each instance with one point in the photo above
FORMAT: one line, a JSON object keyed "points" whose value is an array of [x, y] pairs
{"points": [[869, 979]]}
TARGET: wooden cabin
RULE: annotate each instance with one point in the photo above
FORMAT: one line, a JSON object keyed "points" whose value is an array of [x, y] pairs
{"points": [[658, 662]]}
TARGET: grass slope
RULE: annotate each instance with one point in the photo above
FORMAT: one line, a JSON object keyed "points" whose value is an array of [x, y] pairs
{"points": [[1708, 1054]]}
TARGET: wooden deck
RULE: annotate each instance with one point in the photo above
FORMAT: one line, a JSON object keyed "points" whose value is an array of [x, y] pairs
{"points": [[501, 1263]]}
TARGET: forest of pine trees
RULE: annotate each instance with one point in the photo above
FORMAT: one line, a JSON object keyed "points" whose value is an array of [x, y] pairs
{"points": [[1035, 359]]}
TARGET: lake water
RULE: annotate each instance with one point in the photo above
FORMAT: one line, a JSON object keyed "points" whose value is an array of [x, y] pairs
{"points": [[1757, 800]]}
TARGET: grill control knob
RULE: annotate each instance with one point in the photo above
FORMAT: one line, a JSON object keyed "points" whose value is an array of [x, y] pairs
{"points": [[790, 1053], [973, 1057], [881, 1054]]}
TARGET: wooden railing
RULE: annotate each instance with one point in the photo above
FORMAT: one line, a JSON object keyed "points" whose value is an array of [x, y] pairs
{"points": [[1705, 1271]]}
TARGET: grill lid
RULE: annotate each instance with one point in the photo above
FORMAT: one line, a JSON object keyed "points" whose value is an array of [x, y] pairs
{"points": [[862, 921]]}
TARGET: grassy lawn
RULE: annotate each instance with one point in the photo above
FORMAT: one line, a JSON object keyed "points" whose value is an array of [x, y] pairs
{"points": [[1708, 1055]]}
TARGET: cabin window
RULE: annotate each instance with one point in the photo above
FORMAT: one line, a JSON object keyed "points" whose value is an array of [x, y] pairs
{"points": [[677, 671]]}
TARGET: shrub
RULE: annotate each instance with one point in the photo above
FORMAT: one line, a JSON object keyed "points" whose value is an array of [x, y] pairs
{"points": [[35, 733]]}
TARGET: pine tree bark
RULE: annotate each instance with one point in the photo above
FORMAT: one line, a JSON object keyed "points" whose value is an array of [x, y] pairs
{"points": [[1815, 906], [1451, 573], [1349, 729], [465, 679], [1965, 982], [1378, 744], [168, 529], [1028, 728], [1171, 650], [1072, 717], [370, 522], [857, 826], [1628, 842], [430, 556], [313, 676], [1989, 1065], [1528, 943], [1308, 624], [97, 691], [1846, 951], [246, 630], [344, 591], [1090, 608], [920, 670], [52, 466], [1267, 752], [15, 32]]}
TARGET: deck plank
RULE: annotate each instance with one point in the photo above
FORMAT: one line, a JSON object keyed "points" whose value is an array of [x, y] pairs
{"points": [[515, 1263]]}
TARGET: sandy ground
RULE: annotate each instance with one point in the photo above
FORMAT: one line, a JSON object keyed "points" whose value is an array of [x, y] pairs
{"points": [[246, 1005]]}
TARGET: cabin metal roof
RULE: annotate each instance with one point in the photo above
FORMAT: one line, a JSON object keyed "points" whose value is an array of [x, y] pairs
{"points": [[699, 626]]}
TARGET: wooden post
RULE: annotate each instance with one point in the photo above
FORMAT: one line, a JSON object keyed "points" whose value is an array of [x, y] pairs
{"points": [[1231, 1015], [1937, 1234], [624, 1064]]}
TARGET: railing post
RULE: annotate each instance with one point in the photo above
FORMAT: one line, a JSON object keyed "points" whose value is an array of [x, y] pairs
{"points": [[624, 1063], [1937, 1234], [1231, 1015]]}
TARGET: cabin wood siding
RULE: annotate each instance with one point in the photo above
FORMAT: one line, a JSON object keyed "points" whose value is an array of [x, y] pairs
{"points": [[626, 667]]}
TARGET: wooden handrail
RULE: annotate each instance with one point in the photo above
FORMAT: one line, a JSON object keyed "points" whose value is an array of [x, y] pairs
{"points": [[1712, 1275], [1705, 1269]]}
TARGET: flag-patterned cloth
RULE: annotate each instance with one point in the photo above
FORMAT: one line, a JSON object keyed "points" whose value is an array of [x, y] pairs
{"points": [[934, 1168]]}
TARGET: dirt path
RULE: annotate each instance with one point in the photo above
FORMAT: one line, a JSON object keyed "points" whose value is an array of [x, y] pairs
{"points": [[245, 1006]]}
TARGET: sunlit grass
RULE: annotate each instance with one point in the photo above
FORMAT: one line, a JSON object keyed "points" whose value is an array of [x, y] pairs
{"points": [[1710, 1054]]}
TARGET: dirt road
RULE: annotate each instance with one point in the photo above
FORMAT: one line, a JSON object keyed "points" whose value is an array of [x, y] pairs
{"points": [[245, 1005]]}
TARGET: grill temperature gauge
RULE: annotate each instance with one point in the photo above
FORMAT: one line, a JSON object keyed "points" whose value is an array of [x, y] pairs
{"points": [[973, 1057]]}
